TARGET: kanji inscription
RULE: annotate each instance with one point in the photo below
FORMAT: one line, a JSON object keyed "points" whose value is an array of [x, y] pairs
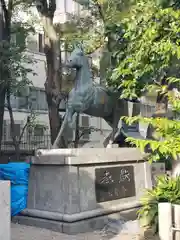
{"points": [[114, 183]]}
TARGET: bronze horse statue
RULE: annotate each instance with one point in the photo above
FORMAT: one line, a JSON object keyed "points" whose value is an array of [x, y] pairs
{"points": [[89, 98]]}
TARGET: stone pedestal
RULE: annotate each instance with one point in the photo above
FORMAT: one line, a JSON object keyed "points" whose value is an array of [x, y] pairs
{"points": [[77, 190], [5, 218]]}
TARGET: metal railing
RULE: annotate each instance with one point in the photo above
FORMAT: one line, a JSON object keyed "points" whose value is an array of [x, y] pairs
{"points": [[28, 142]]}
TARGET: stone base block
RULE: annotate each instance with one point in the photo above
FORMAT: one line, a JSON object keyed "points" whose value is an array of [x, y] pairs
{"points": [[75, 190], [82, 226]]}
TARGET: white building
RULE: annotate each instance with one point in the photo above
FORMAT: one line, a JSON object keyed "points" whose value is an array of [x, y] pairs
{"points": [[36, 95]]}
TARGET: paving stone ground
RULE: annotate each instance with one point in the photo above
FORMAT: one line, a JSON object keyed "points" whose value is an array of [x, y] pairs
{"points": [[20, 232]]}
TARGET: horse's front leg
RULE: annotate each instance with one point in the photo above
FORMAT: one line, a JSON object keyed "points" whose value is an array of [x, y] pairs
{"points": [[67, 120], [70, 117]]}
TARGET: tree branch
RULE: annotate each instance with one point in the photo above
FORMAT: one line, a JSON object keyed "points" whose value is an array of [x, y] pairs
{"points": [[5, 10]]}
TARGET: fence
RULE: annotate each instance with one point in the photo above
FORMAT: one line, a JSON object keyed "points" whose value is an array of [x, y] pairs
{"points": [[28, 145], [28, 142]]}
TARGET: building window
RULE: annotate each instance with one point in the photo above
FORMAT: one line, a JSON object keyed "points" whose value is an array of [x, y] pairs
{"points": [[18, 36], [33, 101], [41, 42], [42, 100], [35, 43], [17, 129], [39, 130], [7, 130], [19, 102], [38, 99], [22, 102], [14, 101], [31, 42]]}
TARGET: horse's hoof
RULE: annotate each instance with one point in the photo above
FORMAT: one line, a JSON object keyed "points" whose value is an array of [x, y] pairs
{"points": [[54, 147]]}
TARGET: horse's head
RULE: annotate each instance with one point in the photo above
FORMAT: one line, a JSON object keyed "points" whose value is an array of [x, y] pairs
{"points": [[77, 58]]}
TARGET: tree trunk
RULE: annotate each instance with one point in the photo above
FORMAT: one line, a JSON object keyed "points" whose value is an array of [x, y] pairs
{"points": [[12, 127], [55, 119], [4, 30], [53, 87], [53, 67]]}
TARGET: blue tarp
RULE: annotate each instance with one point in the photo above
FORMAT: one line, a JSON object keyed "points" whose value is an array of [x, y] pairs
{"points": [[18, 175]]}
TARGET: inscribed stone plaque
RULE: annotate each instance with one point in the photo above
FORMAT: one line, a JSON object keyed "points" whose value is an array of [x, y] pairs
{"points": [[114, 183]]}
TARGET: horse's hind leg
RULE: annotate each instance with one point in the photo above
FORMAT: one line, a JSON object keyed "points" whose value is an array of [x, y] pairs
{"points": [[113, 121], [107, 140], [110, 138]]}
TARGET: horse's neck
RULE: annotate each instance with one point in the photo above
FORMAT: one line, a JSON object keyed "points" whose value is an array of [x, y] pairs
{"points": [[83, 78]]}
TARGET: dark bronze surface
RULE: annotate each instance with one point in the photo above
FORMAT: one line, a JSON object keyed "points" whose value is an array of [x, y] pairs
{"points": [[114, 183]]}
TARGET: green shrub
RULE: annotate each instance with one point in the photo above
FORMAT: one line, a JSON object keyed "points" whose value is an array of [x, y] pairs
{"points": [[166, 190]]}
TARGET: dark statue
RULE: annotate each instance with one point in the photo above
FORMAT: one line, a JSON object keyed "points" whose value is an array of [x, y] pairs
{"points": [[90, 98]]}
